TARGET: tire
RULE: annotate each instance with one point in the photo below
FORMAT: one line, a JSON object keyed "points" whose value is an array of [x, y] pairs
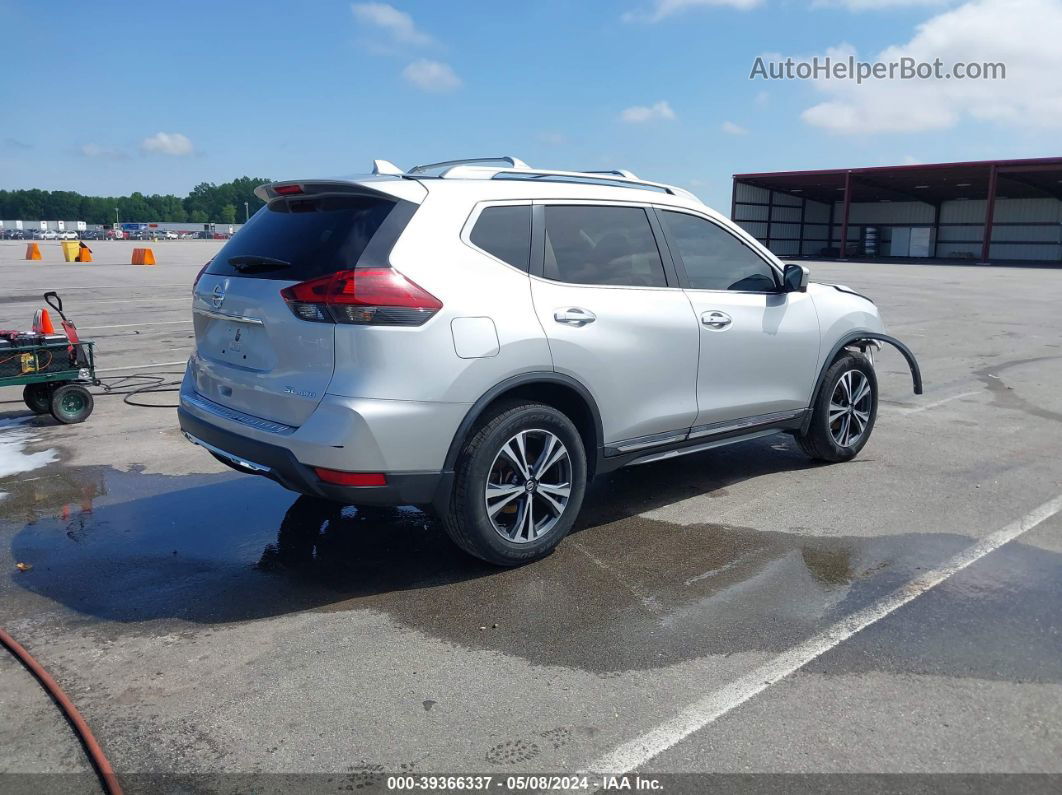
{"points": [[71, 404], [38, 397], [512, 534], [842, 439]]}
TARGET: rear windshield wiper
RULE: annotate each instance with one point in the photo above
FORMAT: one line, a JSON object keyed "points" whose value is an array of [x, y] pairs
{"points": [[252, 263]]}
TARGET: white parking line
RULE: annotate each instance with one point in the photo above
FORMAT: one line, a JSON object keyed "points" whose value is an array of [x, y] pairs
{"points": [[94, 302], [941, 402], [182, 362], [635, 753], [105, 287], [135, 325]]}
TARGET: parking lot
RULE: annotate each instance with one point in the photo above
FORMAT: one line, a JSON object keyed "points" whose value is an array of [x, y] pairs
{"points": [[706, 615]]}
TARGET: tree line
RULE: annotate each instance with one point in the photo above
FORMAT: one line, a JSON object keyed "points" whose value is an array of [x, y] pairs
{"points": [[207, 202]]}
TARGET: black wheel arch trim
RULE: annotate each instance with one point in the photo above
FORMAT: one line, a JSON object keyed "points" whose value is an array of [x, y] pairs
{"points": [[525, 379], [864, 336]]}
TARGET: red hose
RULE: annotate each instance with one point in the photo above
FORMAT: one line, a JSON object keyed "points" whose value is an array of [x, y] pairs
{"points": [[84, 733]]}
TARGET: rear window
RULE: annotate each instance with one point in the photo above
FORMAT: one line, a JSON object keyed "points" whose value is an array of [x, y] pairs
{"points": [[505, 232], [302, 238]]}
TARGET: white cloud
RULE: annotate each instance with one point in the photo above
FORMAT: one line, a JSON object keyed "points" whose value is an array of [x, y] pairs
{"points": [[102, 152], [661, 9], [164, 143], [1022, 34], [643, 113], [762, 99], [733, 129], [911, 160], [398, 25], [432, 76]]}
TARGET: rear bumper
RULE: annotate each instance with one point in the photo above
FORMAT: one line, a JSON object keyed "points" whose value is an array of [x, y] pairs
{"points": [[279, 464]]}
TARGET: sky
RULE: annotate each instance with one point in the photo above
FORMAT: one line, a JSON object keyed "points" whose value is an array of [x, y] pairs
{"points": [[112, 97]]}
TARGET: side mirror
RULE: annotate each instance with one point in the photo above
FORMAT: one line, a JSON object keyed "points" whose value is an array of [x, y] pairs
{"points": [[795, 278]]}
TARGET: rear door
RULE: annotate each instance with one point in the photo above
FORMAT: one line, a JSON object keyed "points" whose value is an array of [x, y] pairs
{"points": [[759, 346], [252, 353], [615, 321]]}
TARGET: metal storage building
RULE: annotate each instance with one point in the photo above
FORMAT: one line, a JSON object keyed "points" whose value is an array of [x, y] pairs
{"points": [[938, 210]]}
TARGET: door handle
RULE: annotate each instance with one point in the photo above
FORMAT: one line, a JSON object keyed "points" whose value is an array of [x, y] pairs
{"points": [[574, 316], [716, 320]]}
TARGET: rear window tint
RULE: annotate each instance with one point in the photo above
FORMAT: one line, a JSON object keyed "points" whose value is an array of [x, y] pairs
{"points": [[505, 232], [314, 235]]}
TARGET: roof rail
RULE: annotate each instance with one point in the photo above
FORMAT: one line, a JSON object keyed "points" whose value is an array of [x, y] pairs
{"points": [[618, 177], [514, 162], [619, 172]]}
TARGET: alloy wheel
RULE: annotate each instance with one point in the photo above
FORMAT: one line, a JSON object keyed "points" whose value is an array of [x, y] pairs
{"points": [[528, 485], [850, 407]]}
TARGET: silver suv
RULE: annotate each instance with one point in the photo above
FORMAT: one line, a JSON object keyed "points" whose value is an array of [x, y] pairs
{"points": [[484, 338]]}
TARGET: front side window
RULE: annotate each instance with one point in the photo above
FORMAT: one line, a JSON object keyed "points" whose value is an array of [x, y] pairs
{"points": [[601, 245], [714, 258], [505, 232]]}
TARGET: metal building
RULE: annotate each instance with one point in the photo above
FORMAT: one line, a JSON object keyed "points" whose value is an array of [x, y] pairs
{"points": [[938, 210]]}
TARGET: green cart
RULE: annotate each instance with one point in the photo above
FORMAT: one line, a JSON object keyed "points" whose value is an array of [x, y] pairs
{"points": [[54, 373]]}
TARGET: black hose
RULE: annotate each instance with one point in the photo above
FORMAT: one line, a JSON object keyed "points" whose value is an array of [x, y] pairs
{"points": [[129, 386]]}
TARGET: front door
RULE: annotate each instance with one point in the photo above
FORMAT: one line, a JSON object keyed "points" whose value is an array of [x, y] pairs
{"points": [[759, 347]]}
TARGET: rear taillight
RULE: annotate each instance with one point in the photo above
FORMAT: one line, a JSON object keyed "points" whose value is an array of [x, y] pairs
{"points": [[287, 190], [364, 296], [199, 275]]}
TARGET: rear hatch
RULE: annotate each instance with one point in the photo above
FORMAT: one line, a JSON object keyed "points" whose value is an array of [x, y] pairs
{"points": [[253, 354]]}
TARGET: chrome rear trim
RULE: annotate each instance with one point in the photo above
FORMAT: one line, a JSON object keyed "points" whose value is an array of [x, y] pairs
{"points": [[240, 462], [209, 406], [254, 321]]}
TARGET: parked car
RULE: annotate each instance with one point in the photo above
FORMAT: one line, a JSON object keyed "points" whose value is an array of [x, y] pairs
{"points": [[168, 234], [68, 235], [92, 234], [14, 234], [49, 234], [484, 340]]}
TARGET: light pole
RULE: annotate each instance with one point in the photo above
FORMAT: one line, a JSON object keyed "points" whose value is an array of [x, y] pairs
{"points": [[246, 213], [115, 224]]}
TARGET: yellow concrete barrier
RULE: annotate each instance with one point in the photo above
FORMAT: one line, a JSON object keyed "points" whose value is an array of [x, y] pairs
{"points": [[33, 251], [69, 250]]}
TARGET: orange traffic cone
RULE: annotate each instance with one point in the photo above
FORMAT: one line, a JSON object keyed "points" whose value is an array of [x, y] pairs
{"points": [[84, 253], [42, 322], [33, 251]]}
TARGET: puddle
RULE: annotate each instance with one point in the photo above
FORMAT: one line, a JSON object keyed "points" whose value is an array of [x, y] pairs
{"points": [[622, 592]]}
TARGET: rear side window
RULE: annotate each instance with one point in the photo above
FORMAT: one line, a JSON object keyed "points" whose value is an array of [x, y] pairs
{"points": [[302, 238], [601, 245], [505, 232], [714, 258]]}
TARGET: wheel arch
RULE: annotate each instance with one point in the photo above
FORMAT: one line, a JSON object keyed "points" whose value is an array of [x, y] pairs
{"points": [[863, 336], [561, 391]]}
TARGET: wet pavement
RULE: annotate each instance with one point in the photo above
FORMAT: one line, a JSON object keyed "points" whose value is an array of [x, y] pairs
{"points": [[214, 626], [218, 549]]}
